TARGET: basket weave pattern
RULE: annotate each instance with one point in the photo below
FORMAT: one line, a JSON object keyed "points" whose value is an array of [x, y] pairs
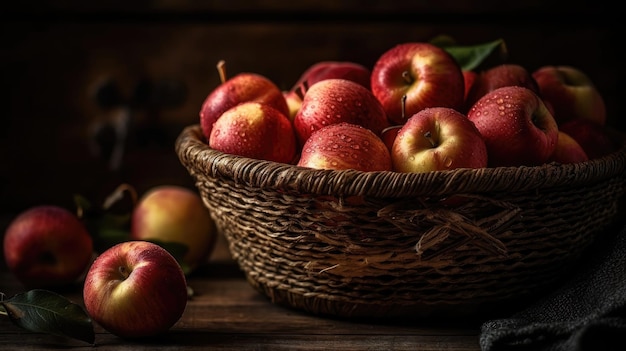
{"points": [[349, 243]]}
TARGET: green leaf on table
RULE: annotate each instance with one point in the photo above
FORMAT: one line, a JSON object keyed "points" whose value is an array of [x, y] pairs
{"points": [[470, 56], [106, 227], [44, 311]]}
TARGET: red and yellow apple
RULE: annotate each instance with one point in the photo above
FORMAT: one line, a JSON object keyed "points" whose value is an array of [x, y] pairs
{"points": [[595, 139], [438, 139], [571, 93], [243, 87], [516, 125], [135, 289], [175, 214], [332, 101], [389, 134], [567, 150], [412, 76], [255, 130], [47, 246], [345, 146]]}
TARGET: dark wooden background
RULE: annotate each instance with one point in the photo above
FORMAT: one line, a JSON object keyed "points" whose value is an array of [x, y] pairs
{"points": [[70, 66]]}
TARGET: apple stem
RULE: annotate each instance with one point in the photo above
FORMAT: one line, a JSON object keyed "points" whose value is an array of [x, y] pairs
{"points": [[407, 77], [221, 69], [403, 104], [117, 194], [428, 135], [301, 89], [124, 272]]}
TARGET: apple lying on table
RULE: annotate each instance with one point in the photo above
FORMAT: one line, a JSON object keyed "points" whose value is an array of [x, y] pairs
{"points": [[497, 77], [567, 150], [243, 87], [135, 289], [571, 93], [412, 76], [175, 214], [333, 101], [345, 146], [437, 139], [255, 130], [516, 125], [47, 246]]}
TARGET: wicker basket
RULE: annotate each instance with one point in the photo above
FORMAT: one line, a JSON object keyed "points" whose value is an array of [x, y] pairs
{"points": [[389, 244]]}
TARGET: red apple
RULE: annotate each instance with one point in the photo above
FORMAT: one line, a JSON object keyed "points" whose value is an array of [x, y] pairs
{"points": [[47, 246], [469, 77], [413, 76], [497, 77], [571, 93], [595, 139], [255, 130], [135, 289], [437, 139], [389, 134], [175, 214], [243, 87], [567, 150], [294, 101], [345, 146], [333, 101], [517, 127], [322, 70]]}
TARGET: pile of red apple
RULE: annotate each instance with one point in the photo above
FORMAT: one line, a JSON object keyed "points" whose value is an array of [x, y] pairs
{"points": [[134, 287], [415, 110]]}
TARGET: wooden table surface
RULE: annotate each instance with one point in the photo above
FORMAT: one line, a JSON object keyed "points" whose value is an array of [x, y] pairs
{"points": [[226, 313]]}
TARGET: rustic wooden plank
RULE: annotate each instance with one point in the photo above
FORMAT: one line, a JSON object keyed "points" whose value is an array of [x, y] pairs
{"points": [[226, 313]]}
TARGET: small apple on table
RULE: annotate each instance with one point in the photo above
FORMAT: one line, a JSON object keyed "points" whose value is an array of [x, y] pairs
{"points": [[172, 214], [47, 246], [135, 289]]}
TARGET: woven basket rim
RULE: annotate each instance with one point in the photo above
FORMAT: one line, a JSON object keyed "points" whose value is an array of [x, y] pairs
{"points": [[198, 157]]}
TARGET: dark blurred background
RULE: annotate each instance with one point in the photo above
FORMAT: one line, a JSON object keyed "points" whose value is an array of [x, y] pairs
{"points": [[96, 92]]}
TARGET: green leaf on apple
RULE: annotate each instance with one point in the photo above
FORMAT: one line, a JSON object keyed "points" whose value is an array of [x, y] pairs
{"points": [[471, 56], [44, 311]]}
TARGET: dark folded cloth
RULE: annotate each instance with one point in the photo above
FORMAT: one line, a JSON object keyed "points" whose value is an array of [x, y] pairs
{"points": [[586, 313]]}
